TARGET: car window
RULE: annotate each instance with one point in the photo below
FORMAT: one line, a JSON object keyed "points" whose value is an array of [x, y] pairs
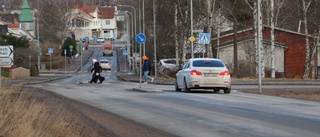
{"points": [[186, 65], [104, 61], [208, 63], [170, 61]]}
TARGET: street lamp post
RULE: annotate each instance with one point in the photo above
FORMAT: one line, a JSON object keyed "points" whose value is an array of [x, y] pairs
{"points": [[38, 44], [143, 27], [128, 29], [154, 39], [132, 35], [135, 29], [191, 17], [135, 16]]}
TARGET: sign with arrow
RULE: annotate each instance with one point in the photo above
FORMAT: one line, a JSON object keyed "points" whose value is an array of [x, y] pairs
{"points": [[141, 38], [6, 55]]}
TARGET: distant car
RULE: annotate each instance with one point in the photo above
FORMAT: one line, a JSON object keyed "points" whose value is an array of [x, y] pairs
{"points": [[203, 73], [105, 64], [167, 66], [100, 40], [107, 50]]}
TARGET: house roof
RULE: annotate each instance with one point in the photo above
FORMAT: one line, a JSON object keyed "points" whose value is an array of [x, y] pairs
{"points": [[83, 11], [106, 12], [13, 26], [10, 25], [26, 15], [88, 8]]}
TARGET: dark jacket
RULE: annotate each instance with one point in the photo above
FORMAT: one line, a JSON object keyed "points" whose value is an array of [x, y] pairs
{"points": [[146, 66], [96, 68]]}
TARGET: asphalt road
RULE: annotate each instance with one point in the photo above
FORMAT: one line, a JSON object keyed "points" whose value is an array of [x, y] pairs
{"points": [[200, 114], [195, 114]]}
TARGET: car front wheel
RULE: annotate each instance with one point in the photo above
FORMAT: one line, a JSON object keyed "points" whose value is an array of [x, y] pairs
{"points": [[227, 91]]}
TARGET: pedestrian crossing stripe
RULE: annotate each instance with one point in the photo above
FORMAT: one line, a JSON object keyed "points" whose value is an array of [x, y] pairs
{"points": [[204, 38]]}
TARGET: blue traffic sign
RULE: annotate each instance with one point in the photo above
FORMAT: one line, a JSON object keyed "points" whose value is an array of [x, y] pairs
{"points": [[141, 38], [204, 38], [124, 52], [50, 50]]}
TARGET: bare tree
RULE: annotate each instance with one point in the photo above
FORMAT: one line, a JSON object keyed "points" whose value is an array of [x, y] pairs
{"points": [[272, 10], [305, 6], [54, 20]]}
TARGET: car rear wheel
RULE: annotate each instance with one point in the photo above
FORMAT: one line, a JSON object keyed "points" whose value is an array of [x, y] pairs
{"points": [[177, 87], [227, 91], [186, 89], [166, 71]]}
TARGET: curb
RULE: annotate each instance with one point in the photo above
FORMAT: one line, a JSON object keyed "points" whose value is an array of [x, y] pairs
{"points": [[148, 90]]}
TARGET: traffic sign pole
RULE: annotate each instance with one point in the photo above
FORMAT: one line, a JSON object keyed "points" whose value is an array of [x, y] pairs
{"points": [[140, 38]]}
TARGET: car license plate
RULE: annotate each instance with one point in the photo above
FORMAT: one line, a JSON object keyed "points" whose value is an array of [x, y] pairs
{"points": [[210, 75]]}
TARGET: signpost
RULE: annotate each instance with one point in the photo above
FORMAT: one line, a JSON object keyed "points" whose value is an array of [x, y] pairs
{"points": [[65, 60], [125, 53], [6, 57], [50, 51], [140, 38]]}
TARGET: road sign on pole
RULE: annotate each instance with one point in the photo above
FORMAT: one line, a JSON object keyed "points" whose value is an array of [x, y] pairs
{"points": [[124, 52], [204, 38], [6, 55], [141, 38], [50, 50]]}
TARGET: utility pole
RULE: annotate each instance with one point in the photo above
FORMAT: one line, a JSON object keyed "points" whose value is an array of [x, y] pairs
{"points": [[259, 42], [191, 19], [155, 39]]}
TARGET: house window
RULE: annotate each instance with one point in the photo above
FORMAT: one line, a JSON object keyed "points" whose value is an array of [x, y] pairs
{"points": [[107, 22]]}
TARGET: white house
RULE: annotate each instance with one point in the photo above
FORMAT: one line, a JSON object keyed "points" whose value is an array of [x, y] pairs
{"points": [[93, 22]]}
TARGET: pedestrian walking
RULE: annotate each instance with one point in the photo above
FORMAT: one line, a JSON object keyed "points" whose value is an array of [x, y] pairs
{"points": [[146, 69], [97, 69]]}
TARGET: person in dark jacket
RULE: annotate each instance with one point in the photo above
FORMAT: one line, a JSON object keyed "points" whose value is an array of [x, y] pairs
{"points": [[146, 69], [97, 69]]}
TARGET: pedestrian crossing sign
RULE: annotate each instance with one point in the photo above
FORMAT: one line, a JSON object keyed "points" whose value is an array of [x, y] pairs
{"points": [[204, 38]]}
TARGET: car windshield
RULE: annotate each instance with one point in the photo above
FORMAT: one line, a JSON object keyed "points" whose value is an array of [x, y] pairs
{"points": [[208, 63]]}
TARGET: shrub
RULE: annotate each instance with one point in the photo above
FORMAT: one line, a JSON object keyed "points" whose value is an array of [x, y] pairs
{"points": [[66, 45]]}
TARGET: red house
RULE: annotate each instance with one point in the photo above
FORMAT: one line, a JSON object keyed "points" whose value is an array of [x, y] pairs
{"points": [[290, 51]]}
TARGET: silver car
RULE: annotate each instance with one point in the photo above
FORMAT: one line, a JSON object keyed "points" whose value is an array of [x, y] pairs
{"points": [[203, 73], [105, 64], [167, 66], [100, 40]]}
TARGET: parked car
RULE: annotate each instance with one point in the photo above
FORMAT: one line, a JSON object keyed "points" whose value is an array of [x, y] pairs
{"points": [[168, 66], [203, 73], [105, 64], [100, 40]]}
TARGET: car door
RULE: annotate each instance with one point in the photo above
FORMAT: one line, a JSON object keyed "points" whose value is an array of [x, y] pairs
{"points": [[181, 74]]}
